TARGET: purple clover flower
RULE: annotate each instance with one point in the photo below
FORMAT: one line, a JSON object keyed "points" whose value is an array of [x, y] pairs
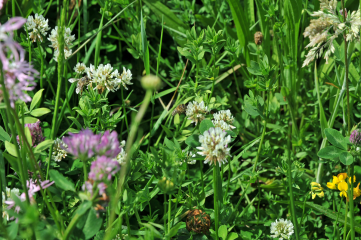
{"points": [[81, 144], [18, 74], [103, 169], [86, 144], [109, 145], [36, 133], [355, 137]]}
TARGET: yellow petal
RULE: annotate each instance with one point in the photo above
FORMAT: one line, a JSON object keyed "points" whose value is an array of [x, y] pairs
{"points": [[335, 180], [343, 194], [342, 176], [313, 195], [331, 185], [342, 186], [321, 194]]}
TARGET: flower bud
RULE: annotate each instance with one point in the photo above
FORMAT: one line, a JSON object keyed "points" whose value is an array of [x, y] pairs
{"points": [[355, 137], [151, 82]]}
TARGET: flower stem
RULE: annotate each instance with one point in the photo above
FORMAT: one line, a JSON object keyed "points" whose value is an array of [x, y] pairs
{"points": [[345, 229], [169, 212], [216, 198], [335, 227], [165, 210], [290, 182], [350, 194]]}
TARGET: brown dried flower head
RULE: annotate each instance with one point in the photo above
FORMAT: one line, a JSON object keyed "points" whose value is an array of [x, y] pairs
{"points": [[198, 221], [258, 38]]}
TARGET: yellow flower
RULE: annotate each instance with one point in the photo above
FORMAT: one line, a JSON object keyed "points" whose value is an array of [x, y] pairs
{"points": [[335, 181], [316, 189], [341, 177], [342, 186], [356, 191]]}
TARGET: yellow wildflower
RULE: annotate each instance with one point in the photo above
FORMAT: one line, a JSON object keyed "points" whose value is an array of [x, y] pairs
{"points": [[356, 191], [316, 189], [343, 187]]}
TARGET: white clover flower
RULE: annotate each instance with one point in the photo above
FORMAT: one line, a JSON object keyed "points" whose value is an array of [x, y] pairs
{"points": [[37, 27], [214, 146], [188, 155], [58, 150], [80, 68], [6, 197], [121, 158], [282, 229], [226, 116], [68, 38], [196, 111], [221, 124], [124, 78], [105, 77]]}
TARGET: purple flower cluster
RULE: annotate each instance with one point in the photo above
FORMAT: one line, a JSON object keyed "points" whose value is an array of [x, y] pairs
{"points": [[86, 144], [18, 74], [33, 187], [36, 133], [103, 169], [355, 137]]}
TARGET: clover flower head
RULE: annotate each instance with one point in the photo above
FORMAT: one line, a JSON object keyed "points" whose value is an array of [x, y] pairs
{"points": [[226, 116], [104, 77], [121, 157], [68, 38], [355, 137], [282, 229], [81, 145], [58, 150], [108, 145], [124, 78], [35, 132], [103, 169], [188, 157], [196, 111], [221, 124], [37, 27], [317, 190], [80, 68], [214, 146]]}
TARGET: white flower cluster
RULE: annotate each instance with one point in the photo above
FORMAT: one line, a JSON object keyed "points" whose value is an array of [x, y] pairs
{"points": [[214, 146], [80, 68], [58, 150], [122, 155], [6, 197], [196, 111], [319, 30], [68, 39], [282, 229], [223, 119], [188, 155], [102, 77], [37, 27]]}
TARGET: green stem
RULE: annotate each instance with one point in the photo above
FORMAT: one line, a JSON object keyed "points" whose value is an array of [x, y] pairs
{"points": [[42, 65], [350, 169], [290, 183], [202, 178], [229, 180], [72, 224], [169, 212], [216, 198], [165, 211], [335, 227], [128, 224], [124, 110], [85, 171], [345, 228]]}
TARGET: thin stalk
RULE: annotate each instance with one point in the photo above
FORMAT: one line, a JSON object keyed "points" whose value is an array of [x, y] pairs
{"points": [[124, 110], [335, 227], [350, 169], [85, 172], [169, 212], [128, 224], [345, 228], [189, 187], [60, 77], [290, 182], [72, 223], [202, 178], [216, 198], [130, 140], [42, 65], [99, 38], [228, 181], [165, 211]]}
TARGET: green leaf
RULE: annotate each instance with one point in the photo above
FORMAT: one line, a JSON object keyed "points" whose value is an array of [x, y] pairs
{"points": [[193, 141], [4, 136], [36, 99], [330, 152], [92, 224], [13, 161], [40, 112], [176, 119], [76, 122], [30, 120], [11, 148], [205, 125], [28, 136], [174, 230], [2, 171], [335, 138], [43, 146], [61, 181], [222, 232], [346, 158], [232, 236]]}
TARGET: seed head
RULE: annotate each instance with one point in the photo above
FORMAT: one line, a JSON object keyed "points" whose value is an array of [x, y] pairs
{"points": [[151, 82]]}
